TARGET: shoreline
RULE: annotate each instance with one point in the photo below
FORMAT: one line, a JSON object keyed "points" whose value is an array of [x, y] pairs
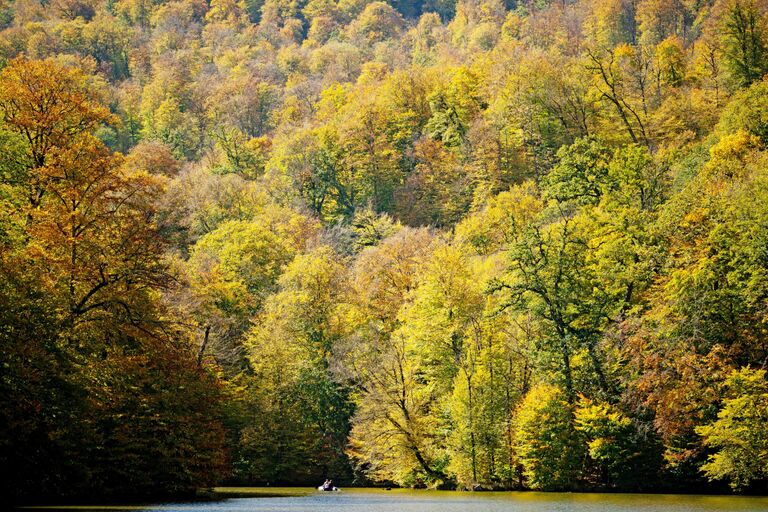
{"points": [[219, 494]]}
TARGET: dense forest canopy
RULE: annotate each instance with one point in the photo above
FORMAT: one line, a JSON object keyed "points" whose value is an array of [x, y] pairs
{"points": [[427, 243]]}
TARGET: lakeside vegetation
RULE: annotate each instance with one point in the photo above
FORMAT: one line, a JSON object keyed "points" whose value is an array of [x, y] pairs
{"points": [[443, 244]]}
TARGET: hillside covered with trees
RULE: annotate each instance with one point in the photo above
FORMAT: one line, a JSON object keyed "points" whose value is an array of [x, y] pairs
{"points": [[424, 243]]}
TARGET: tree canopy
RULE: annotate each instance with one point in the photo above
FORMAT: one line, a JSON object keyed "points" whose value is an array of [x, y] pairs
{"points": [[444, 243]]}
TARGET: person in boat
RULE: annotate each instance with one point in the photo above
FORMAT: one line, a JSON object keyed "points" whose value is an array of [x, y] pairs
{"points": [[328, 485]]}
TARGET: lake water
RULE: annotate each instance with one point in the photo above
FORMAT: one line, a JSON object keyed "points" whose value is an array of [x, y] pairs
{"points": [[398, 500]]}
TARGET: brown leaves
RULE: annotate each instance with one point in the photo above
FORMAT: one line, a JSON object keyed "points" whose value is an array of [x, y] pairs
{"points": [[49, 104], [90, 220], [679, 384]]}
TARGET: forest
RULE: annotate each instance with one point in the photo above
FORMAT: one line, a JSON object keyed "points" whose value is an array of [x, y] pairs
{"points": [[451, 244]]}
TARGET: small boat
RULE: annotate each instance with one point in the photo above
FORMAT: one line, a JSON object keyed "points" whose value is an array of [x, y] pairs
{"points": [[327, 489]]}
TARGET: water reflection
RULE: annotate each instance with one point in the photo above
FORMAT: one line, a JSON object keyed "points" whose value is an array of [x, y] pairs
{"points": [[374, 500]]}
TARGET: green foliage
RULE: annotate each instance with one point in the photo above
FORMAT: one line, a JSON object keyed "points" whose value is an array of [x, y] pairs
{"points": [[548, 445], [739, 434], [245, 255], [581, 174], [636, 180], [102, 392], [622, 457], [748, 110], [454, 107], [393, 424], [370, 229], [435, 243], [745, 40], [300, 431], [378, 22]]}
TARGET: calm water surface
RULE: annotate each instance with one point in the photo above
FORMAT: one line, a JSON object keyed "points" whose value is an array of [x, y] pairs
{"points": [[374, 500]]}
